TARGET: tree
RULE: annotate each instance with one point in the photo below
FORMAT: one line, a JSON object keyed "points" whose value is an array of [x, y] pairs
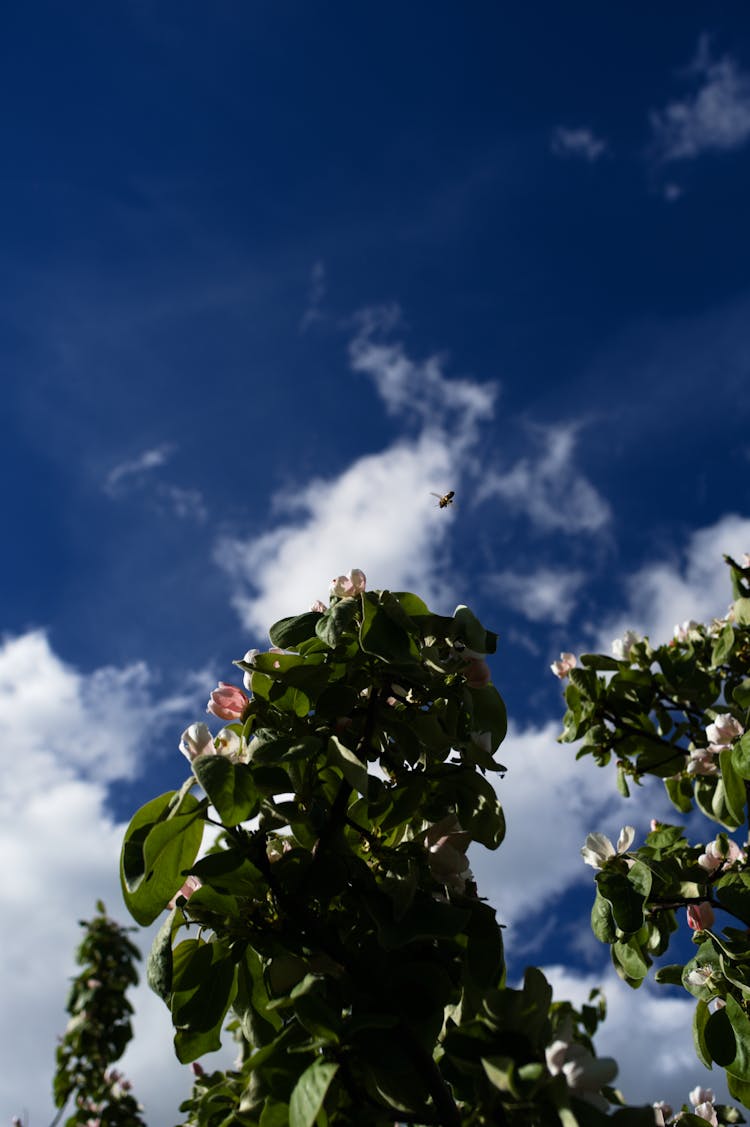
{"points": [[333, 920], [99, 1029], [678, 711]]}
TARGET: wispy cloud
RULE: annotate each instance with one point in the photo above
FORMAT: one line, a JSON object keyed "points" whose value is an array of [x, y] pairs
{"points": [[315, 297], [135, 469], [137, 475], [715, 117], [418, 389], [377, 513], [581, 142], [545, 595], [549, 489]]}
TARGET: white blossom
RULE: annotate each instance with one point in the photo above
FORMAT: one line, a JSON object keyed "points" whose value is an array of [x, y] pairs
{"points": [[701, 1095], [621, 647], [598, 849]]}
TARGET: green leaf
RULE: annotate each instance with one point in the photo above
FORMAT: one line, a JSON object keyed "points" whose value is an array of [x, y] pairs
{"points": [[723, 645], [352, 768], [700, 1020], [670, 974], [310, 1092], [229, 871], [742, 612], [338, 620], [160, 844], [740, 1066], [734, 786], [159, 962], [599, 662], [629, 961], [739, 1089], [488, 713], [626, 893], [204, 983], [478, 807], [468, 629], [290, 632], [719, 1038], [602, 924], [229, 787], [381, 636], [741, 693], [680, 792], [733, 892], [412, 604], [741, 756]]}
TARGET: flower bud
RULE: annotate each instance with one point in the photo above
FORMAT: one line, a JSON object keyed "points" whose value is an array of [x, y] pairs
{"points": [[228, 702], [196, 740], [700, 916]]}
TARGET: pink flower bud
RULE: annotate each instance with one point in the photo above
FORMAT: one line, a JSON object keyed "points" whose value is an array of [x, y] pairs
{"points": [[321, 608], [700, 916], [197, 1068], [228, 702]]}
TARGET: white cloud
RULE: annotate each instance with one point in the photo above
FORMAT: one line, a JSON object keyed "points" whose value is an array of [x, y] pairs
{"points": [[716, 117], [580, 142], [64, 736], [658, 1063], [548, 489], [545, 595], [694, 583], [136, 468], [377, 514]]}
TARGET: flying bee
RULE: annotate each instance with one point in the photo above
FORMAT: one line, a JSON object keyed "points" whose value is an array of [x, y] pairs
{"points": [[444, 499]]}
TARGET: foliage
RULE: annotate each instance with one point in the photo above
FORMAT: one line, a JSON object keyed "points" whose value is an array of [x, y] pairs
{"points": [[332, 920], [98, 1030], [679, 711]]}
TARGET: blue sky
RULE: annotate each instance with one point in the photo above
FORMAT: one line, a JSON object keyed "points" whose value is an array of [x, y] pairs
{"points": [[271, 275]]}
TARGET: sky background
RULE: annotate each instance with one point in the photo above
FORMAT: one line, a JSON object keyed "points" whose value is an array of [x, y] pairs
{"points": [[272, 273]]}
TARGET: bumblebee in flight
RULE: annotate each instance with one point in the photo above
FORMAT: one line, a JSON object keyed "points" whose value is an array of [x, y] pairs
{"points": [[444, 499]]}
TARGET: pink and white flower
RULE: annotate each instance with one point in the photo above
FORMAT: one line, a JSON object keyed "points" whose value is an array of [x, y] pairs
{"points": [[715, 857], [349, 586], [584, 1073], [724, 731], [563, 667]]}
